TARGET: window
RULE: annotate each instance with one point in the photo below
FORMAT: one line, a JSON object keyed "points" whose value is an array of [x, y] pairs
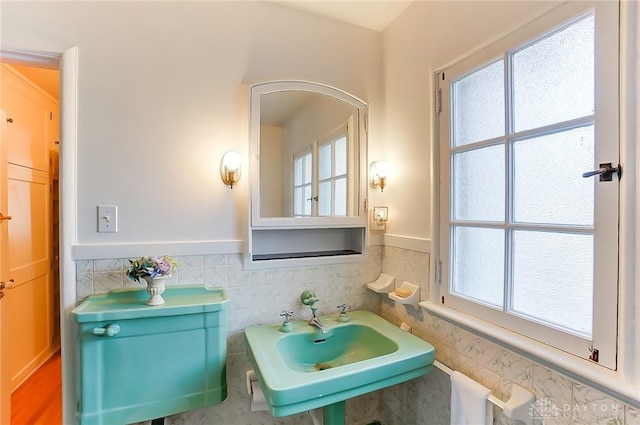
{"points": [[333, 177], [526, 242], [302, 172], [320, 177]]}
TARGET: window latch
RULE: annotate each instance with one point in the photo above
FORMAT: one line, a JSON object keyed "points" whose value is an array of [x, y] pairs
{"points": [[605, 172]]}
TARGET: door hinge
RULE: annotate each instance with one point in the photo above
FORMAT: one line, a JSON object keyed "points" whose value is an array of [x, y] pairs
{"points": [[366, 124], [365, 204], [439, 272], [595, 354], [438, 101]]}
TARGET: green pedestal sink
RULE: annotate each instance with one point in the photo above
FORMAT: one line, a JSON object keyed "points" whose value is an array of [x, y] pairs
{"points": [[305, 369]]}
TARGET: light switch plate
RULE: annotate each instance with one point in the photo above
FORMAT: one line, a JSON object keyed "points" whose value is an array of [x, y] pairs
{"points": [[107, 218]]}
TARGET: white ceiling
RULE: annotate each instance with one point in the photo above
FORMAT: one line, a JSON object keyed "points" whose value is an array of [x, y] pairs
{"points": [[372, 14]]}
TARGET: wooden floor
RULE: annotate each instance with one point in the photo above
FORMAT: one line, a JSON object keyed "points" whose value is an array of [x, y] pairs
{"points": [[39, 400]]}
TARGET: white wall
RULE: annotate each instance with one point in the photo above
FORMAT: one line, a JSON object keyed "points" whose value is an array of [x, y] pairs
{"points": [[425, 37], [271, 176], [161, 98]]}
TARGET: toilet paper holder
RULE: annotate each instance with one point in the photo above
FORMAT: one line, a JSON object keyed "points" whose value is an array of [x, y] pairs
{"points": [[258, 401]]}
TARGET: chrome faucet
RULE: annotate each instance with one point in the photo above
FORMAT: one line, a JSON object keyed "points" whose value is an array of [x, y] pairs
{"points": [[309, 298], [315, 321]]}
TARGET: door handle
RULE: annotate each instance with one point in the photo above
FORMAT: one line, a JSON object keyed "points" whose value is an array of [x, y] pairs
{"points": [[4, 217], [7, 285]]}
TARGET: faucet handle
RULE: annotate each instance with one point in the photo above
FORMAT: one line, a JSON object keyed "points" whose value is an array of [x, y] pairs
{"points": [[286, 314], [343, 308]]}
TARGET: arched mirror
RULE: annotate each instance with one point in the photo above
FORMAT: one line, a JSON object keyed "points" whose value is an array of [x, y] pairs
{"points": [[308, 150]]}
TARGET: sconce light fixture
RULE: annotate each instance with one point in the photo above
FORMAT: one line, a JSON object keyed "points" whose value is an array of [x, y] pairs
{"points": [[230, 168], [378, 171], [381, 216]]}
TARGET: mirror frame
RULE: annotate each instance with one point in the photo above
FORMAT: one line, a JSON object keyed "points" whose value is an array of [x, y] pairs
{"points": [[257, 90]]}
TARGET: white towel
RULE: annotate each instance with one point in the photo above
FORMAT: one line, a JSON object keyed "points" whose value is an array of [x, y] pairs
{"points": [[469, 404]]}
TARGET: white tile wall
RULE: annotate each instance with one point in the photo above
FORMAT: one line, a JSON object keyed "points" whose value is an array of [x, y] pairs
{"points": [[560, 401], [257, 297]]}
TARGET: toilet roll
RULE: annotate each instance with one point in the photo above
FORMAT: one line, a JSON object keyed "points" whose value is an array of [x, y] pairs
{"points": [[258, 402]]}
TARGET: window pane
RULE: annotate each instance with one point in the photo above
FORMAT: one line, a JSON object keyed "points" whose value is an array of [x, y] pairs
{"points": [[340, 148], [478, 105], [297, 173], [548, 183], [478, 264], [298, 201], [307, 200], [324, 199], [478, 184], [340, 196], [307, 168], [553, 79], [553, 278], [325, 161]]}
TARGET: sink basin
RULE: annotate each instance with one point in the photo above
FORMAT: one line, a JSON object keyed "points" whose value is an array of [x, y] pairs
{"points": [[305, 369], [304, 352]]}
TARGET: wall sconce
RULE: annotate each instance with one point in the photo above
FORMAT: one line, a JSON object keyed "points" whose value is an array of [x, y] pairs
{"points": [[378, 171], [381, 216], [230, 168]]}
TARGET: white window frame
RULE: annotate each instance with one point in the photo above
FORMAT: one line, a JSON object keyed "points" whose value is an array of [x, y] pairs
{"points": [[314, 151], [300, 157], [605, 335], [331, 140]]}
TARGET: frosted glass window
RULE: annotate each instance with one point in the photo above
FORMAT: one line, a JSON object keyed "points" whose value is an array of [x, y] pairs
{"points": [[325, 161], [478, 184], [553, 278], [307, 168], [478, 105], [527, 243], [307, 200], [324, 199], [340, 148], [298, 173], [302, 184], [548, 183], [298, 199], [340, 197], [478, 271], [553, 79]]}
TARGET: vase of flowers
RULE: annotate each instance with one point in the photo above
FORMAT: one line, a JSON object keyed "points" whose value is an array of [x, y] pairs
{"points": [[154, 271]]}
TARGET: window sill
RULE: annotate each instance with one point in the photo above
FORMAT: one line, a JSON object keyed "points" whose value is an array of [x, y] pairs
{"points": [[609, 382]]}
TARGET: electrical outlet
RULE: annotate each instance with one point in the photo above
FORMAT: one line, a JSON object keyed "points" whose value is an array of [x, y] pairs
{"points": [[107, 218]]}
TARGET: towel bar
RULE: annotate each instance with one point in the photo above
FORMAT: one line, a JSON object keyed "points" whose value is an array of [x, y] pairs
{"points": [[518, 406]]}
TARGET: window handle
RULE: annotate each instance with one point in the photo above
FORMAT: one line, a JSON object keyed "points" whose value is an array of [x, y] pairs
{"points": [[605, 172]]}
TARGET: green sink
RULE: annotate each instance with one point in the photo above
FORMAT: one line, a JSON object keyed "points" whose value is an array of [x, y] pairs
{"points": [[304, 352], [305, 369]]}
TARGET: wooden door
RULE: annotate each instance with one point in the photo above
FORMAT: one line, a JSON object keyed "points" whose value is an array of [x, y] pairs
{"points": [[29, 301], [5, 378], [27, 326]]}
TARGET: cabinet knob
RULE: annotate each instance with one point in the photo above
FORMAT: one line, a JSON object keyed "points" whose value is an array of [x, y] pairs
{"points": [[112, 329], [9, 120]]}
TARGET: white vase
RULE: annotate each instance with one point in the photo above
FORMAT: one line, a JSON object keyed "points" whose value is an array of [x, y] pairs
{"points": [[155, 288]]}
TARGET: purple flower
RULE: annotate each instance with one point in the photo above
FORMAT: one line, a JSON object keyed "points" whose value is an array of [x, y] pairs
{"points": [[163, 266]]}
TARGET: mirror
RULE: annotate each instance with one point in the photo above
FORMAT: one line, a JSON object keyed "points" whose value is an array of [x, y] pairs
{"points": [[308, 145]]}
